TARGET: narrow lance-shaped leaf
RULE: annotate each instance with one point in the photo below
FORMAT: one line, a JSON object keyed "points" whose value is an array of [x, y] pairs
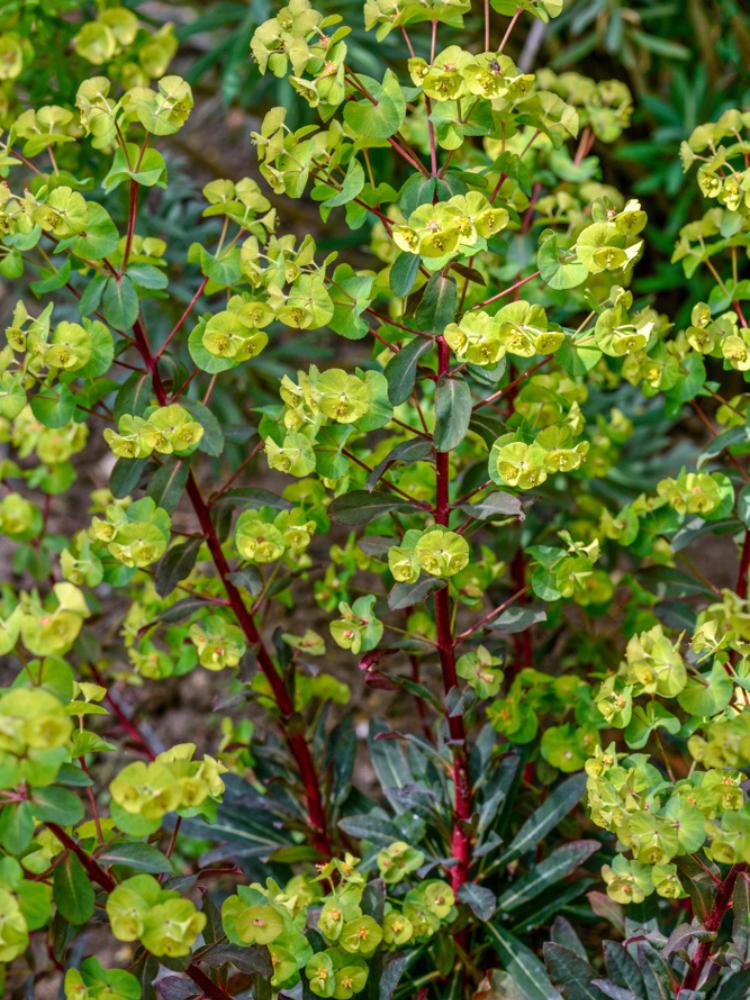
{"points": [[401, 371], [452, 413]]}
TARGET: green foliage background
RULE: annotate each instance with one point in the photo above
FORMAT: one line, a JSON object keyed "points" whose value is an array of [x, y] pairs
{"points": [[684, 64]]}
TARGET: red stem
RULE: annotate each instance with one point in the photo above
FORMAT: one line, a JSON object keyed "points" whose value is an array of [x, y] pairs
{"points": [[510, 28], [491, 615], [127, 724], [295, 739], [132, 214], [507, 291], [496, 190], [175, 329], [741, 586], [722, 903], [93, 869], [512, 385], [723, 898], [462, 812]]}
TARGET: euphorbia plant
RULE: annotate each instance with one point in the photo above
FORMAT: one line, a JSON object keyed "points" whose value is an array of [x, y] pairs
{"points": [[439, 492]]}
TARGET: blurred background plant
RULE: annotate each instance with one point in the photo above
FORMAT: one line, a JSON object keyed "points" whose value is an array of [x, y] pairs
{"points": [[683, 61]]}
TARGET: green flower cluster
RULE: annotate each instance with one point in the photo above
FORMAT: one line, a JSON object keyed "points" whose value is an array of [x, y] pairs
{"points": [[165, 923], [460, 226], [437, 551], [34, 739], [323, 411], [519, 329], [658, 821], [278, 918], [173, 782], [266, 535], [136, 534], [46, 626], [167, 430]]}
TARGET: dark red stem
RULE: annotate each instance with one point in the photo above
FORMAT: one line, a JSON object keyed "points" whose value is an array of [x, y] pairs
{"points": [[295, 739], [462, 809], [127, 724], [712, 924], [741, 587], [93, 869], [132, 214]]}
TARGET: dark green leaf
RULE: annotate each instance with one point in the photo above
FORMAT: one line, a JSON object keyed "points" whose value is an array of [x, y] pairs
{"points": [[120, 303], [138, 858], [92, 294], [408, 452], [16, 827], [403, 274], [698, 883], [406, 595], [571, 972], [741, 916], [735, 987], [340, 754], [212, 441], [439, 304], [735, 435], [495, 504], [389, 763], [376, 829], [524, 968], [175, 565], [621, 968], [73, 776], [401, 370], [134, 396], [743, 505], [561, 862], [609, 989], [562, 932], [393, 969], [57, 805], [417, 190], [479, 899], [252, 496], [72, 890], [558, 804], [452, 413], [656, 974], [518, 619], [182, 609], [148, 276], [248, 578], [361, 507], [373, 899], [126, 475], [168, 483]]}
